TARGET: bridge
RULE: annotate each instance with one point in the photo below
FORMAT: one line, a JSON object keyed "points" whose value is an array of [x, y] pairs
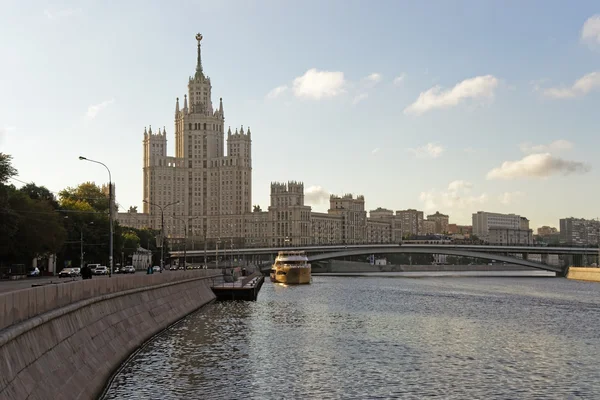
{"points": [[486, 252]]}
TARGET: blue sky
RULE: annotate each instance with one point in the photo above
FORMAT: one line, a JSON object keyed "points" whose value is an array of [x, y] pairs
{"points": [[456, 106]]}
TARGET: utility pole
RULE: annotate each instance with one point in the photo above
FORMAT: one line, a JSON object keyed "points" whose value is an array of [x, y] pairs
{"points": [[81, 247], [205, 244], [110, 211], [162, 229]]}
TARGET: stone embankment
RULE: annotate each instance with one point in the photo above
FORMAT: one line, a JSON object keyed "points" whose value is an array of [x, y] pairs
{"points": [[64, 341], [591, 274], [341, 266]]}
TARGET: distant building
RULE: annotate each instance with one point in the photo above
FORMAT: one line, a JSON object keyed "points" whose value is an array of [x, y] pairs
{"points": [[546, 230], [429, 227], [465, 230], [411, 222], [441, 222], [579, 231], [505, 229]]}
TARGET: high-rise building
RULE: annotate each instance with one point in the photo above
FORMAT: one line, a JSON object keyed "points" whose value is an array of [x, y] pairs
{"points": [[579, 231], [441, 222], [411, 221], [504, 229], [201, 187]]}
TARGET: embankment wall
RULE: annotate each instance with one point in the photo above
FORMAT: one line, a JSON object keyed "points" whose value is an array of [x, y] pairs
{"points": [[341, 266], [591, 274], [64, 341]]}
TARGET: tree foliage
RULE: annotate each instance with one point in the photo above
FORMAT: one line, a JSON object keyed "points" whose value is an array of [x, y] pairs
{"points": [[87, 192], [6, 168]]}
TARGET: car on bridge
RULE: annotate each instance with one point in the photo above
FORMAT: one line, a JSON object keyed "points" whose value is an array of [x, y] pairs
{"points": [[69, 272]]}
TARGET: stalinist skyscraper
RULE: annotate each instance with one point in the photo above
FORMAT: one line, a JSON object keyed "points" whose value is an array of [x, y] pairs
{"points": [[201, 185]]}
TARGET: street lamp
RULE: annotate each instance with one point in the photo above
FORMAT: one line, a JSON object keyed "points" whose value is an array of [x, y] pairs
{"points": [[110, 213], [185, 226], [162, 229]]}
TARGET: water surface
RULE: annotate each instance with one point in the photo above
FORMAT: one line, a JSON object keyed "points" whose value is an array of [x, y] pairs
{"points": [[380, 338]]}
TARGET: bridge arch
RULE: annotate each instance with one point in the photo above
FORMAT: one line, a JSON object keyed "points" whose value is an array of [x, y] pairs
{"points": [[433, 250]]}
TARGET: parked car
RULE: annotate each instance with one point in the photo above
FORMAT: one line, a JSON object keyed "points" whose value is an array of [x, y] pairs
{"points": [[69, 273], [156, 268], [100, 270], [128, 269]]}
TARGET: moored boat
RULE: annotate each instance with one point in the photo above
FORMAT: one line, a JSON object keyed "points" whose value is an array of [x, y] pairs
{"points": [[291, 267]]}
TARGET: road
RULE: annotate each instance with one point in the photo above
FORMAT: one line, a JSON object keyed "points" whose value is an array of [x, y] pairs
{"points": [[9, 286]]}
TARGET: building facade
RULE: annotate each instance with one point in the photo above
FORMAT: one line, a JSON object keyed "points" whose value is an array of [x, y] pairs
{"points": [[579, 232], [207, 185], [441, 222], [504, 229]]}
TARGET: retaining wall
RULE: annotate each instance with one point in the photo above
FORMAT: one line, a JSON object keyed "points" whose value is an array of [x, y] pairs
{"points": [[64, 341], [591, 274]]}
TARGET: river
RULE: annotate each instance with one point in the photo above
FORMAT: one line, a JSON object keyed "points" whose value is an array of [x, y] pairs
{"points": [[380, 338]]}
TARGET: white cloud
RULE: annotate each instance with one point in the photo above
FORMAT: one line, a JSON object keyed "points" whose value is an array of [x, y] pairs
{"points": [[432, 150], [277, 91], [458, 185], [470, 150], [375, 150], [508, 198], [456, 197], [555, 146], [359, 98], [374, 78], [316, 195], [399, 79], [479, 87], [581, 87], [591, 30], [316, 84], [540, 165], [64, 13], [93, 110]]}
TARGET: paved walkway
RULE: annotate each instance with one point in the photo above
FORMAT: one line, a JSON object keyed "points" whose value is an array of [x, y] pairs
{"points": [[9, 286]]}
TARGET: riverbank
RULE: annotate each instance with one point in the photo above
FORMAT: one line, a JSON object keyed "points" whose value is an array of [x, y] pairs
{"points": [[65, 341], [341, 266], [589, 274]]}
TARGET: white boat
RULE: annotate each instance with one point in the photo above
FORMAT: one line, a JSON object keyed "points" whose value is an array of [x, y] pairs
{"points": [[291, 267]]}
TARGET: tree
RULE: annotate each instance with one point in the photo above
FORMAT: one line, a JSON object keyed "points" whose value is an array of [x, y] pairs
{"points": [[131, 242], [6, 169], [87, 192], [39, 229], [85, 213], [39, 193]]}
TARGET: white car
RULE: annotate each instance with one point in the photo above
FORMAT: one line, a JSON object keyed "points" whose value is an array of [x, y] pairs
{"points": [[34, 272], [100, 270], [156, 268]]}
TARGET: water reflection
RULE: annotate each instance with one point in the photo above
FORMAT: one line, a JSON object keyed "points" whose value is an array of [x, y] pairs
{"points": [[451, 338]]}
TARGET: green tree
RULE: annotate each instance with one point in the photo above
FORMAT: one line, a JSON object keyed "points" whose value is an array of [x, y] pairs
{"points": [[6, 169], [85, 213], [39, 193], [39, 229], [87, 192]]}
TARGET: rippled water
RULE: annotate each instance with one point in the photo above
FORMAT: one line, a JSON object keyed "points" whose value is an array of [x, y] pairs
{"points": [[380, 338]]}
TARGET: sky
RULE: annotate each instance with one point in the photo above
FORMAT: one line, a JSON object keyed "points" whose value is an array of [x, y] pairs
{"points": [[456, 106]]}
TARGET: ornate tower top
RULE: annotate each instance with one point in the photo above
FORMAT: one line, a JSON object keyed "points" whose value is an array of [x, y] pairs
{"points": [[199, 71]]}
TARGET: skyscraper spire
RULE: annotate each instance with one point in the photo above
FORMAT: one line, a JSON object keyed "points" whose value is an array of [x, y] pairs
{"points": [[177, 107], [199, 72], [221, 106], [185, 102]]}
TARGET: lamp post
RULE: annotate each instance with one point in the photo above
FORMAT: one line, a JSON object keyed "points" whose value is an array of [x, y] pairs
{"points": [[162, 229], [110, 212], [185, 226], [217, 243]]}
